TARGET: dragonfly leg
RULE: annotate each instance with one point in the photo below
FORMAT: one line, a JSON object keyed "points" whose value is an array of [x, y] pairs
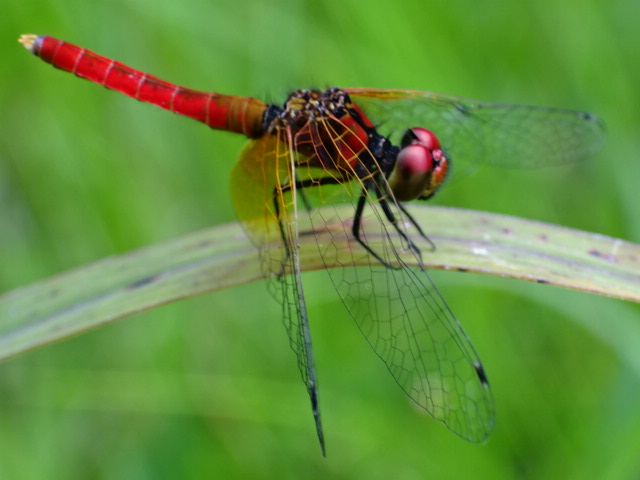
{"points": [[391, 218], [300, 189], [416, 225], [302, 185], [356, 229], [283, 235], [305, 200]]}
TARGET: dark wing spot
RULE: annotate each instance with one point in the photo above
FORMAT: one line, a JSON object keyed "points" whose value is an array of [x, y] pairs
{"points": [[482, 376]]}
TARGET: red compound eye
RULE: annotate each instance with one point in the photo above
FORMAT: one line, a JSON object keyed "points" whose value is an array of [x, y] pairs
{"points": [[426, 138], [420, 166], [412, 173], [414, 160], [422, 136]]}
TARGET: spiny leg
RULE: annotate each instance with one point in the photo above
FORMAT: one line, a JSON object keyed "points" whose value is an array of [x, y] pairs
{"points": [[391, 218], [301, 185], [357, 223], [416, 225]]}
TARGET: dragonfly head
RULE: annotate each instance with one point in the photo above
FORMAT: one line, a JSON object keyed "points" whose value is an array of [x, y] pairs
{"points": [[420, 166]]}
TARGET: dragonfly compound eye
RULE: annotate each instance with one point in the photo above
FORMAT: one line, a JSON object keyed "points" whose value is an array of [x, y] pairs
{"points": [[422, 136], [412, 173]]}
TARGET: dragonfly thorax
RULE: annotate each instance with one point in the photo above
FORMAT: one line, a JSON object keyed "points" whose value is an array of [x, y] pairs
{"points": [[326, 130], [332, 101]]}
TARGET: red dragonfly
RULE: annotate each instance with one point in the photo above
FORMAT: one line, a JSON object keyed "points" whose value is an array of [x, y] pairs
{"points": [[327, 147]]}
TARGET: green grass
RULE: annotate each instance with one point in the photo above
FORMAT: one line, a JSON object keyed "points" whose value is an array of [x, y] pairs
{"points": [[208, 386]]}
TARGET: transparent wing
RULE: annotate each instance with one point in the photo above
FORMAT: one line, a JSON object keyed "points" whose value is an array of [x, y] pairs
{"points": [[399, 310], [472, 131], [268, 213], [410, 327]]}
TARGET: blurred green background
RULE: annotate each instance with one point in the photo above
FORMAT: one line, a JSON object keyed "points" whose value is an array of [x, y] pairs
{"points": [[208, 387]]}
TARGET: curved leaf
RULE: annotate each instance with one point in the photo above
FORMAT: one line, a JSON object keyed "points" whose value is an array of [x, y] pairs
{"points": [[222, 257]]}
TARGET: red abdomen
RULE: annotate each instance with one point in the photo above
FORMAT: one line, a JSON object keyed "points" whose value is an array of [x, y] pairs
{"points": [[223, 112]]}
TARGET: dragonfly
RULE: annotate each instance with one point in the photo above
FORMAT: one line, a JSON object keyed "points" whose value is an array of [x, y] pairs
{"points": [[373, 149]]}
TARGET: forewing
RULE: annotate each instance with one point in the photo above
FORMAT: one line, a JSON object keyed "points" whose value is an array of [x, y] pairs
{"points": [[413, 331], [401, 313], [472, 131]]}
